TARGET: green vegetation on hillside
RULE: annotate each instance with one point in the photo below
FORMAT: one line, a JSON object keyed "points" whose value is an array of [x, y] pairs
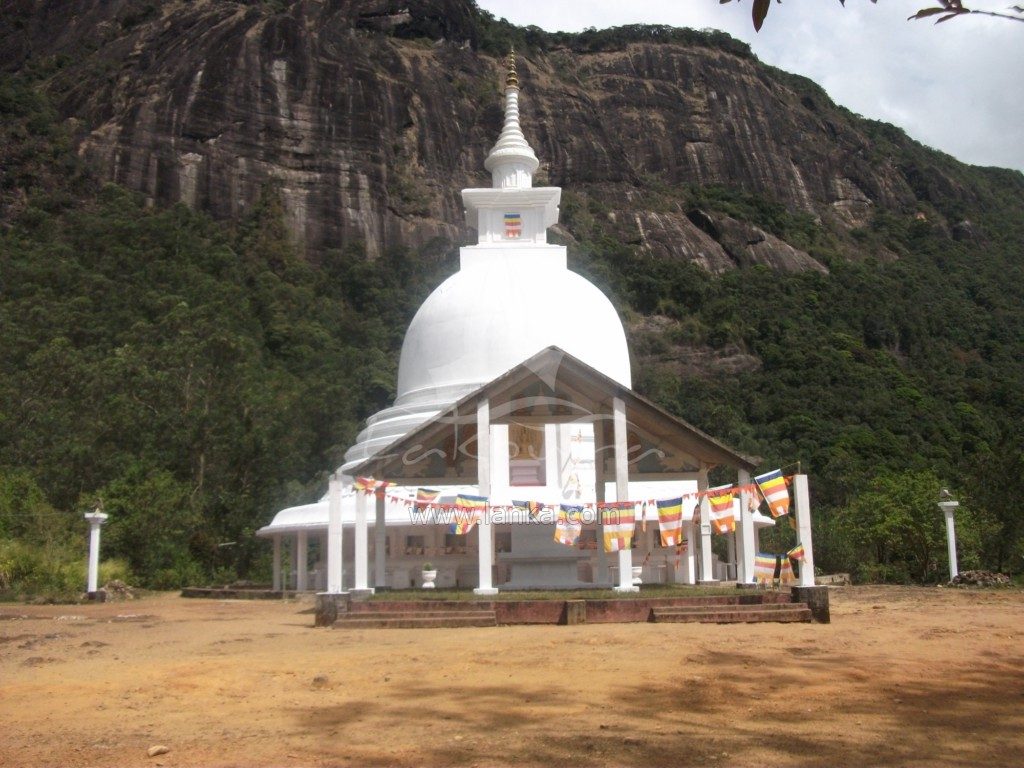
{"points": [[192, 376]]}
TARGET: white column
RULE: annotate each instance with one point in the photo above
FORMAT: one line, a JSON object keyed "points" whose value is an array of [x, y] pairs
{"points": [[706, 570], [599, 496], [730, 551], [622, 490], [948, 507], [748, 546], [802, 502], [380, 534], [485, 546], [334, 537], [361, 546], [690, 555], [96, 519], [276, 565], [321, 575], [293, 565], [302, 567]]}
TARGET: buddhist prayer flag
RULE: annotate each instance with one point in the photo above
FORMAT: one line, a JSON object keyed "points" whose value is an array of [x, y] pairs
{"points": [[753, 502], [471, 503], [773, 486], [785, 570], [769, 568], [364, 484], [426, 497], [468, 511], [619, 519], [569, 524], [766, 568], [796, 553], [531, 508], [513, 225], [670, 522], [723, 520]]}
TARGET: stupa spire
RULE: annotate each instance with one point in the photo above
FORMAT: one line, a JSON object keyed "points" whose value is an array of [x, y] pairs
{"points": [[512, 78], [511, 160]]}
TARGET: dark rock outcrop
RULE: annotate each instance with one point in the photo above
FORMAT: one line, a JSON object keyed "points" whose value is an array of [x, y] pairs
{"points": [[980, 579], [370, 115]]}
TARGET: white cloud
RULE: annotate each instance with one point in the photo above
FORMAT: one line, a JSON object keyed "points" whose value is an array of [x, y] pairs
{"points": [[955, 86]]}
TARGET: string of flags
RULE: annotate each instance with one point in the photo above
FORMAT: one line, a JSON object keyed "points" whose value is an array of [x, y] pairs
{"points": [[617, 517]]}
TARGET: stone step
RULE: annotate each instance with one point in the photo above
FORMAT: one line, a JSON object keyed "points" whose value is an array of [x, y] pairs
{"points": [[416, 621], [768, 607], [374, 606], [405, 614], [742, 598], [793, 612]]}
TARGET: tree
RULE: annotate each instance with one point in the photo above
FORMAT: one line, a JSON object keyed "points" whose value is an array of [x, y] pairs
{"points": [[897, 529], [944, 9], [995, 487]]}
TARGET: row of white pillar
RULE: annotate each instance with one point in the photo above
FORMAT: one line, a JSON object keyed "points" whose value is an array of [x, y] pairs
{"points": [[746, 541], [299, 558]]}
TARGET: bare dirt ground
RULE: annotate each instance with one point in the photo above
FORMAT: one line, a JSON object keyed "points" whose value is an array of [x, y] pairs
{"points": [[902, 676]]}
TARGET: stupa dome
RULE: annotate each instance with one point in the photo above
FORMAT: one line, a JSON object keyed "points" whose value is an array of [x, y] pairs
{"points": [[497, 311], [489, 317]]}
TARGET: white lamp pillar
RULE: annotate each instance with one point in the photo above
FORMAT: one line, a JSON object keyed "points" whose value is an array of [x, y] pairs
{"points": [[948, 508], [334, 537], [96, 519], [485, 545], [361, 546], [707, 575], [622, 490], [802, 502]]}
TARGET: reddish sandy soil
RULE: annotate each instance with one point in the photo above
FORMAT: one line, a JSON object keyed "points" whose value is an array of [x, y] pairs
{"points": [[902, 676]]}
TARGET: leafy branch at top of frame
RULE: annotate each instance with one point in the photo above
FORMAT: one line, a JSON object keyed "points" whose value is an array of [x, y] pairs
{"points": [[944, 9]]}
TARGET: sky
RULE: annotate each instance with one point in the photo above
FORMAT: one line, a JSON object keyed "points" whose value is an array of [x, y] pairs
{"points": [[956, 86]]}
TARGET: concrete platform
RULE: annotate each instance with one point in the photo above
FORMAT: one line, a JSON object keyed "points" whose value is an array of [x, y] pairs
{"points": [[743, 607]]}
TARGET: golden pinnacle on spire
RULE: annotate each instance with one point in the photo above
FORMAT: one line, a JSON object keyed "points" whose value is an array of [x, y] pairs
{"points": [[512, 79]]}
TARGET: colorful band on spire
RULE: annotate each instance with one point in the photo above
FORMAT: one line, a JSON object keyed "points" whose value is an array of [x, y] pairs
{"points": [[512, 78]]}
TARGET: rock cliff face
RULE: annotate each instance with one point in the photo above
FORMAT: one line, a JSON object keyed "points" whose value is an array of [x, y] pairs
{"points": [[370, 115]]}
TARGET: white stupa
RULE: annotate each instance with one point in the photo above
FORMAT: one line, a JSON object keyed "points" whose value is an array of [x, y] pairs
{"points": [[512, 298]]}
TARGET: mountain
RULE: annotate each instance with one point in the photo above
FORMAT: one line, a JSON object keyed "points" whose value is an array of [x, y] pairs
{"points": [[802, 282], [370, 116]]}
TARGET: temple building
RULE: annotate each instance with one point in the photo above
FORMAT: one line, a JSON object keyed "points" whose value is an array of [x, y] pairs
{"points": [[514, 394]]}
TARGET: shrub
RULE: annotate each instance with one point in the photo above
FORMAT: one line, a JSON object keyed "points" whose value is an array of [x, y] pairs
{"points": [[115, 568]]}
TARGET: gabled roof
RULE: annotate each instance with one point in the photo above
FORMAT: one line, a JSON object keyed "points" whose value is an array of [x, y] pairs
{"points": [[551, 387]]}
